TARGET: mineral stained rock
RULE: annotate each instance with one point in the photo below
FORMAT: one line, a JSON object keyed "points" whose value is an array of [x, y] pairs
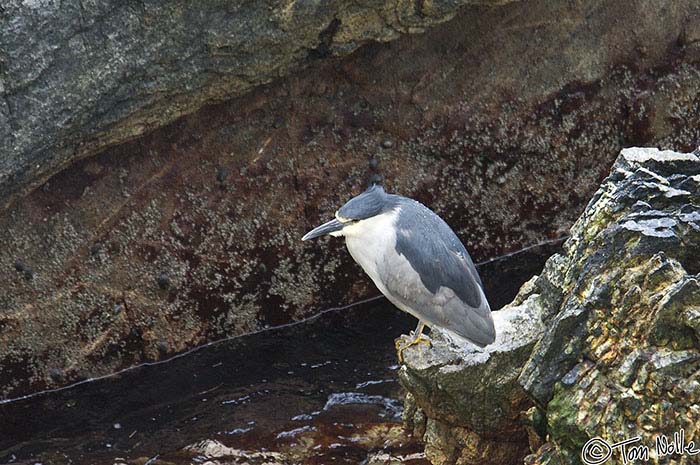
{"points": [[504, 120], [620, 357], [76, 77], [607, 340]]}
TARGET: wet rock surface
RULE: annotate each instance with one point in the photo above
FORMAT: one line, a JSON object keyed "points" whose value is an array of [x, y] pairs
{"points": [[192, 232], [608, 347], [76, 77]]}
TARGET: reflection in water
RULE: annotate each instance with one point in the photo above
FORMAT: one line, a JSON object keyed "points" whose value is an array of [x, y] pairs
{"points": [[318, 392]]}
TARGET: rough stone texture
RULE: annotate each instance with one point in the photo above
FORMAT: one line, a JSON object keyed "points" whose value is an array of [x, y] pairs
{"points": [[466, 402], [76, 76], [609, 344], [503, 120], [621, 354]]}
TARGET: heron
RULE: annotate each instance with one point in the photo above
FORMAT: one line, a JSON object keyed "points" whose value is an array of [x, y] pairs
{"points": [[417, 261]]}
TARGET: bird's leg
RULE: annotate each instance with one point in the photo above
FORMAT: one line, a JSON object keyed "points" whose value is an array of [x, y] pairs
{"points": [[403, 342]]}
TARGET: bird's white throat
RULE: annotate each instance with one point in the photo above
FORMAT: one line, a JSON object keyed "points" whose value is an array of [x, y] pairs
{"points": [[371, 227], [368, 240]]}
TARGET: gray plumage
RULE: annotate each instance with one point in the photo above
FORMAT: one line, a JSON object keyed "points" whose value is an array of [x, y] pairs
{"points": [[416, 260], [455, 300], [370, 203], [435, 252]]}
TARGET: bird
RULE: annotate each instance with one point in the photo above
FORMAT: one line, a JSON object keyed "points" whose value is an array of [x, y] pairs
{"points": [[417, 261]]}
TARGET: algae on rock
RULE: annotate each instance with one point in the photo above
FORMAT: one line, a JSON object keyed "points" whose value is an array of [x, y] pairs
{"points": [[616, 346], [620, 359], [77, 77]]}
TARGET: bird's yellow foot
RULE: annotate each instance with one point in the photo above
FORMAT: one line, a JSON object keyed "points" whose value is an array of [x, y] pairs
{"points": [[403, 342]]}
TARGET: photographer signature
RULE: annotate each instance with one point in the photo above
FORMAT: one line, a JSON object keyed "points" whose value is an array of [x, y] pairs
{"points": [[598, 451]]}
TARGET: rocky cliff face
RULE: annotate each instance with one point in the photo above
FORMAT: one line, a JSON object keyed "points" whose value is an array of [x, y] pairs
{"points": [[77, 77], [620, 357], [616, 344], [503, 120]]}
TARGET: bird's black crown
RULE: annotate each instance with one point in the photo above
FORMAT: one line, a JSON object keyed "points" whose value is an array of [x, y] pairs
{"points": [[371, 202]]}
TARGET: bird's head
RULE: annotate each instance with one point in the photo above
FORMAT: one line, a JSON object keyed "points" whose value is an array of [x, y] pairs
{"points": [[372, 202]]}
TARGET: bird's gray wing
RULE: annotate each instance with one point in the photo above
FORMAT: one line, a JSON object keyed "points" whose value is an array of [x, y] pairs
{"points": [[436, 277]]}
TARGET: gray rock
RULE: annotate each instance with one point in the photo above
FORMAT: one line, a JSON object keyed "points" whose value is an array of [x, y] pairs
{"points": [[217, 452], [76, 77], [465, 401], [621, 351], [609, 232]]}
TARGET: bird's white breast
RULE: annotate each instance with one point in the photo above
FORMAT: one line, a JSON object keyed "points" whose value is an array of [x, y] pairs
{"points": [[369, 240]]}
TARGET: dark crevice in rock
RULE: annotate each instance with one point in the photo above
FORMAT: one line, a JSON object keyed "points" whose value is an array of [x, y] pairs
{"points": [[325, 38]]}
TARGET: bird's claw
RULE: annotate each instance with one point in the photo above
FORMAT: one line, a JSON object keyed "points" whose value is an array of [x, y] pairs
{"points": [[403, 342]]}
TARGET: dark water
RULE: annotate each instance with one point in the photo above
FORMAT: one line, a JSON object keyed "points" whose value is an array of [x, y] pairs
{"points": [[329, 380], [243, 392]]}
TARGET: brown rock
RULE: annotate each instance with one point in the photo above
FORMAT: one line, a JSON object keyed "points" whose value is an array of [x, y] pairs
{"points": [[503, 121]]}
